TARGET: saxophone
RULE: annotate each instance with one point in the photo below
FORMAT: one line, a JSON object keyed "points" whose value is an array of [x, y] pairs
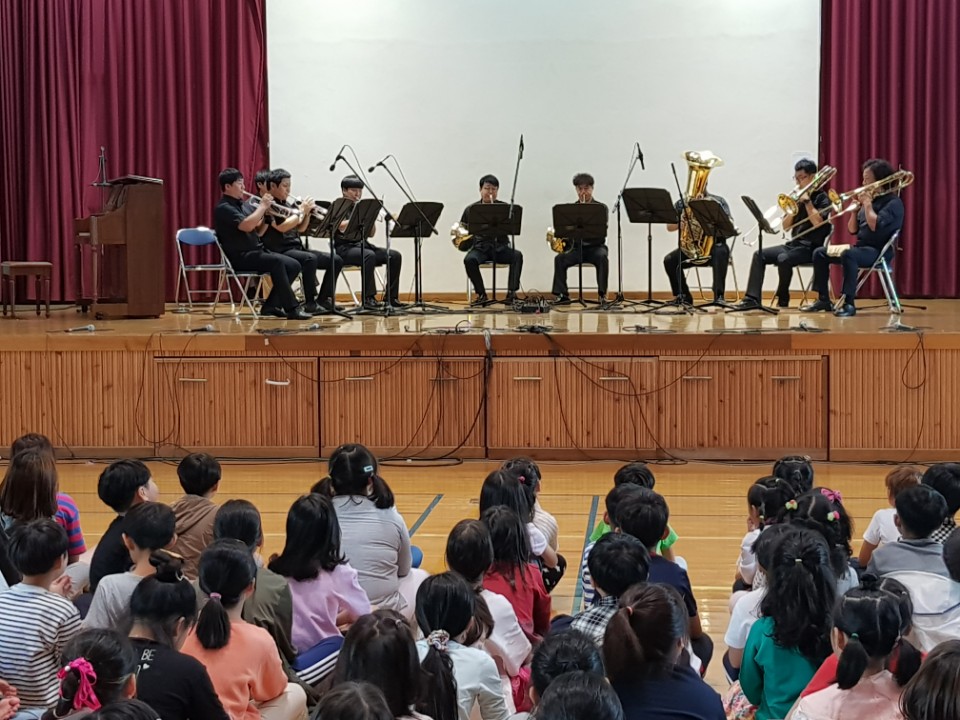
{"points": [[694, 243]]}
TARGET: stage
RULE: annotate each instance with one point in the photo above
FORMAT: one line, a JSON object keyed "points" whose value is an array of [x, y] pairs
{"points": [[587, 385]]}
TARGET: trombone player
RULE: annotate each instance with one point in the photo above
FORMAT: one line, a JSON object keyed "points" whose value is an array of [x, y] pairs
{"points": [[808, 230], [879, 214], [589, 251]]}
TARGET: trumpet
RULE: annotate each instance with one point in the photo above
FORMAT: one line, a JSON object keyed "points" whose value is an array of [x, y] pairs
{"points": [[317, 212], [894, 183], [461, 238], [561, 246], [275, 208]]}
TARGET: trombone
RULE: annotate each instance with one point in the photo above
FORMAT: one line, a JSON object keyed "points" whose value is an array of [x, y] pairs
{"points": [[788, 204], [894, 183]]}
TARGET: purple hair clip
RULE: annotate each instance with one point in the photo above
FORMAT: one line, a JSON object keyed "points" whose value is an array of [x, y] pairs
{"points": [[832, 495]]}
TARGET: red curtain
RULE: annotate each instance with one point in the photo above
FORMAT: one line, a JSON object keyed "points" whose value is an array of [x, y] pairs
{"points": [[890, 73], [173, 90]]}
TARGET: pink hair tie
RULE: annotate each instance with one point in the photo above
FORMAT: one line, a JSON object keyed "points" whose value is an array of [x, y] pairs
{"points": [[832, 495], [215, 597], [85, 696]]}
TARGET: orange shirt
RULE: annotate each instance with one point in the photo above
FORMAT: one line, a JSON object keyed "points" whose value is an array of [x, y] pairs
{"points": [[247, 670]]}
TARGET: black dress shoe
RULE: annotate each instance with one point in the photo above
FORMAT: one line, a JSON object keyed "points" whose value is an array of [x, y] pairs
{"points": [[748, 303], [480, 300], [847, 310], [511, 297], [273, 311], [397, 304], [818, 306], [313, 308], [783, 302], [371, 304], [562, 300], [298, 314]]}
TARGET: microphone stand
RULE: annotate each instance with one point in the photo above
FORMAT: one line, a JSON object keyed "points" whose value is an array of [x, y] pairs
{"points": [[513, 243], [679, 302], [619, 301], [101, 181]]}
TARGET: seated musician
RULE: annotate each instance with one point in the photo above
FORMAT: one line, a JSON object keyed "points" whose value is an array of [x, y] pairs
{"points": [[808, 229], [590, 251], [674, 261], [235, 230], [486, 248], [878, 217], [283, 236], [360, 252]]}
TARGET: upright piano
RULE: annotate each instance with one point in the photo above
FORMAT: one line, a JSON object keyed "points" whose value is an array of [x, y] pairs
{"points": [[122, 258]]}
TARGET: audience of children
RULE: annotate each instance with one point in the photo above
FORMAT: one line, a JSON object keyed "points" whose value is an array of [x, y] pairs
{"points": [[821, 510], [558, 654], [199, 476], [882, 529], [945, 479]]}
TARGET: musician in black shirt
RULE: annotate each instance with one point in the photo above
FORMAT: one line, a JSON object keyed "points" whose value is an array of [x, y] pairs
{"points": [[360, 252], [589, 251], [235, 231], [808, 229], [674, 261], [487, 247]]}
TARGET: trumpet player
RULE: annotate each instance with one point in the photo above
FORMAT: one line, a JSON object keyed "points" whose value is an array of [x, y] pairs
{"points": [[590, 251], [879, 215], [487, 248], [808, 229]]}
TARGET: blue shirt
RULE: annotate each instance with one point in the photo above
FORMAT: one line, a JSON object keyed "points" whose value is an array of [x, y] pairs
{"points": [[680, 695]]}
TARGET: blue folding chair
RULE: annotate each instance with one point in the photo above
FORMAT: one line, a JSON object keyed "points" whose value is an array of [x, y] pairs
{"points": [[202, 237]]}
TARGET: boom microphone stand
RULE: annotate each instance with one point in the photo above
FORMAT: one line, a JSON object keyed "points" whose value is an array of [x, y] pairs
{"points": [[619, 300], [513, 241]]}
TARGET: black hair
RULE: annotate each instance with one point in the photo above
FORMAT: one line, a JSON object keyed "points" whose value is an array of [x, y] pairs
{"points": [[635, 473], [119, 483], [765, 545], [921, 510], [199, 473], [226, 570], [113, 659], [805, 165], [380, 648], [470, 554], [769, 495], [504, 488], [642, 635], [902, 594], [313, 539], [150, 525], [945, 479], [815, 511], [618, 561], [29, 487], [161, 600], [617, 495], [239, 520], [579, 695], [228, 177], [644, 514], [351, 469], [276, 177], [351, 182], [525, 470], [511, 545], [934, 692], [795, 469], [870, 618], [951, 555], [560, 653], [879, 167], [132, 709], [445, 603], [489, 180], [583, 179], [261, 177], [31, 441], [353, 701], [801, 592], [35, 546]]}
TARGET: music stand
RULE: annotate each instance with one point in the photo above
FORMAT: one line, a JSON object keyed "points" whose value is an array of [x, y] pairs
{"points": [[580, 221], [316, 222], [325, 228], [416, 220], [361, 219], [714, 221], [763, 226], [650, 206], [493, 220]]}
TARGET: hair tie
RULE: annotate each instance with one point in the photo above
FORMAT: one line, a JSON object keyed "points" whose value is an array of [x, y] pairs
{"points": [[522, 479], [791, 505], [798, 561], [833, 516], [216, 597], [368, 469], [854, 636], [438, 639], [832, 495], [85, 696], [629, 609]]}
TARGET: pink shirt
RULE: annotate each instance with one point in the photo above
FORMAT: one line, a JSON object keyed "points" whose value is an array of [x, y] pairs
{"points": [[317, 602], [876, 697]]}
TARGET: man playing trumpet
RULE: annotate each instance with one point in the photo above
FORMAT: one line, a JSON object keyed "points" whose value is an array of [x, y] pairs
{"points": [[486, 248], [590, 251]]}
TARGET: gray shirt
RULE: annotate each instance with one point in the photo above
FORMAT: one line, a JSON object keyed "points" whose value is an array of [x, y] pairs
{"points": [[110, 608], [918, 555], [377, 545]]}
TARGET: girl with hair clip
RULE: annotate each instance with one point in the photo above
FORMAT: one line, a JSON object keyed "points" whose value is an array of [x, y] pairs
{"points": [[325, 590], [867, 626], [792, 637], [353, 701], [645, 659], [99, 670], [445, 610], [796, 470], [163, 609], [374, 536], [822, 511], [513, 576], [934, 692], [242, 659], [379, 648], [765, 498]]}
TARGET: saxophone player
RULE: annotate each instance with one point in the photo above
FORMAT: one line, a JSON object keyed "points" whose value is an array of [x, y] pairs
{"points": [[486, 248], [589, 251]]}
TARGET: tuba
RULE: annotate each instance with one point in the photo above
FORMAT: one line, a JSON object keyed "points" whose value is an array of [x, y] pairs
{"points": [[561, 246], [460, 237], [694, 243]]}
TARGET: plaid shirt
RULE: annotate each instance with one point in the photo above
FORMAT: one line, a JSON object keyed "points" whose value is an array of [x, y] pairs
{"points": [[593, 621], [943, 532]]}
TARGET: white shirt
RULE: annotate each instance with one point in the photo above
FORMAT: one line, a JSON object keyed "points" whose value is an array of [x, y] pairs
{"points": [[478, 681], [747, 562], [538, 541], [507, 644], [882, 528], [744, 615], [547, 524]]}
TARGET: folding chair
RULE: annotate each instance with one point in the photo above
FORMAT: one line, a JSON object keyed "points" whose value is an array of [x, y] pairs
{"points": [[699, 286], [356, 269], [202, 237], [883, 268], [806, 287]]}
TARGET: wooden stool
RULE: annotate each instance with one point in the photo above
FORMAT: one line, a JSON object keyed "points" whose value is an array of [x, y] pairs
{"points": [[10, 271]]}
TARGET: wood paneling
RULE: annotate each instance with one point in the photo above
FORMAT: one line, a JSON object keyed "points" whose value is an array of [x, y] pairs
{"points": [[24, 380], [418, 407]]}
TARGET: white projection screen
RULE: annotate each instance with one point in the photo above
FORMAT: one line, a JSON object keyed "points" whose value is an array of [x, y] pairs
{"points": [[448, 86]]}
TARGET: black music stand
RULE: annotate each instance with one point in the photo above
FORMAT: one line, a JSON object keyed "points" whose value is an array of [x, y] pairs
{"points": [[493, 220], [763, 226], [577, 222], [315, 222], [651, 206], [714, 221], [325, 228], [414, 221], [361, 219]]}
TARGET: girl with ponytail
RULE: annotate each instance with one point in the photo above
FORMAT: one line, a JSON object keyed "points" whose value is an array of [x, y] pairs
{"points": [[765, 499], [374, 537], [242, 659], [867, 632], [796, 470], [164, 610], [458, 675], [822, 511]]}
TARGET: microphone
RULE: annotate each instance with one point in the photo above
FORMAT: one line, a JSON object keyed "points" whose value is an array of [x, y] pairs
{"points": [[640, 156], [521, 146], [379, 164], [205, 328], [82, 328], [337, 159], [308, 328]]}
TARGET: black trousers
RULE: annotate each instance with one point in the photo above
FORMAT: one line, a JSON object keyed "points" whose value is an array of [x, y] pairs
{"points": [[283, 271], [786, 258], [505, 255], [719, 259], [368, 257], [854, 258], [310, 261], [595, 255]]}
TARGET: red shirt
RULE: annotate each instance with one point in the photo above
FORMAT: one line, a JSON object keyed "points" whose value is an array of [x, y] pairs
{"points": [[529, 598]]}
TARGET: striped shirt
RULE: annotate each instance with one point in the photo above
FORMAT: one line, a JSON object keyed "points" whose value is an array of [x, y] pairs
{"points": [[68, 516], [35, 625]]}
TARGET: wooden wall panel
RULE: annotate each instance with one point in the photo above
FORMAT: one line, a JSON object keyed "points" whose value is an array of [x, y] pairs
{"points": [[24, 379]]}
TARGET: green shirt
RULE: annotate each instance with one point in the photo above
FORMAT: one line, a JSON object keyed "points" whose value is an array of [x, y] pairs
{"points": [[772, 677], [602, 529]]}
